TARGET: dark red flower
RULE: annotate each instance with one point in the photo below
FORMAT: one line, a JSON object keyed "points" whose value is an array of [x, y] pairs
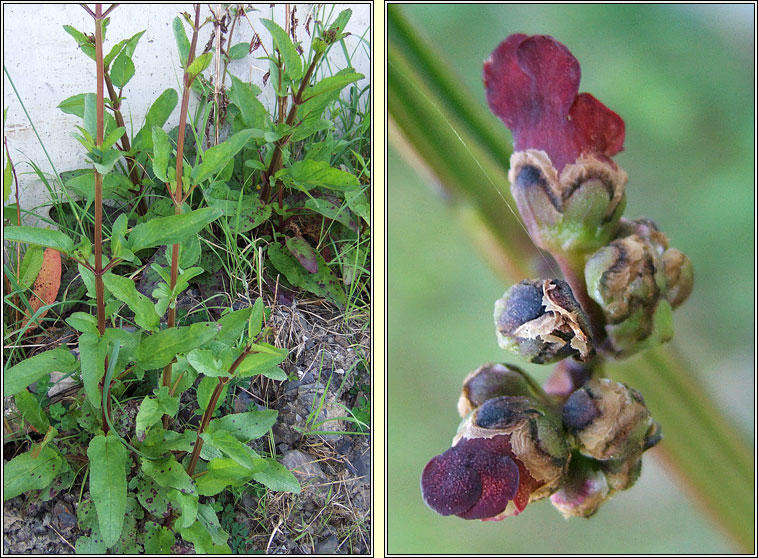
{"points": [[532, 84], [476, 479]]}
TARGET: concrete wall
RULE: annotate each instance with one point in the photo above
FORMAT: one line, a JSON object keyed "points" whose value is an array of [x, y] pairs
{"points": [[47, 67]]}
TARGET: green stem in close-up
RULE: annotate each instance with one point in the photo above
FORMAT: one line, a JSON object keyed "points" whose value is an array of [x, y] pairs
{"points": [[444, 134]]}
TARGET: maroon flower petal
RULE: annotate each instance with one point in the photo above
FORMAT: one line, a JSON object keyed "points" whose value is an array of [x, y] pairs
{"points": [[532, 85], [600, 129], [474, 479], [449, 485]]}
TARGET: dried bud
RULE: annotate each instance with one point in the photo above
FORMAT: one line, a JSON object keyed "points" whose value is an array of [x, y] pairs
{"points": [[577, 211], [541, 321], [636, 280], [489, 381], [510, 451], [584, 490], [610, 421]]}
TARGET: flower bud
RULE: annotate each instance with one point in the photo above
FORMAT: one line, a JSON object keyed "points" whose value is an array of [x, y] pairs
{"points": [[636, 280], [610, 421], [577, 211], [541, 321], [492, 380], [584, 489], [679, 276]]}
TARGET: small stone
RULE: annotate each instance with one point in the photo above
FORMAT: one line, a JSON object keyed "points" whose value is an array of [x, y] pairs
{"points": [[329, 546]]}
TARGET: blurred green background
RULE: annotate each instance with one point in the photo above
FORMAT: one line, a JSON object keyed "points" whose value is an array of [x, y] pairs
{"points": [[682, 77]]}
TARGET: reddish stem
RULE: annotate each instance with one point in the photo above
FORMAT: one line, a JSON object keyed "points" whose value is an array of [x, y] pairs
{"points": [[211, 407], [176, 195]]}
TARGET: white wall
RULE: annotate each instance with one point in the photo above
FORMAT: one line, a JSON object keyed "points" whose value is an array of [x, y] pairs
{"points": [[46, 67]]}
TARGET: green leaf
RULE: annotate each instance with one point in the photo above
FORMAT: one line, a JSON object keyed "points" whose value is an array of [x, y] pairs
{"points": [[245, 426], [87, 47], [113, 137], [187, 503], [115, 185], [73, 105], [206, 534], [32, 369], [339, 24], [24, 473], [152, 410], [231, 446], [245, 96], [83, 322], [122, 70], [107, 484], [106, 162], [31, 410], [157, 350], [324, 283], [30, 265], [310, 174], [205, 362], [7, 180], [90, 114], [256, 319], [92, 352], [217, 157], [275, 373], [329, 85], [276, 476], [222, 472], [240, 50], [124, 289], [158, 539], [182, 42], [358, 203], [232, 325], [157, 115], [332, 211], [199, 64], [172, 229], [292, 63], [205, 391], [260, 362], [162, 149], [169, 474], [303, 252], [152, 496], [48, 238]]}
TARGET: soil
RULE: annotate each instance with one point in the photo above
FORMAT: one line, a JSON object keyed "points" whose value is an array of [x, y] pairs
{"points": [[328, 371]]}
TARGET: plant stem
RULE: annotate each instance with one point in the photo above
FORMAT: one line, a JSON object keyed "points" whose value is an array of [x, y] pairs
{"points": [[222, 381], [126, 146], [276, 159], [98, 246], [176, 195]]}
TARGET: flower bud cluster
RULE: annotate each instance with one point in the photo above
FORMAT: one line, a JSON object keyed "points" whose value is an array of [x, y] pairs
{"points": [[637, 280], [516, 446]]}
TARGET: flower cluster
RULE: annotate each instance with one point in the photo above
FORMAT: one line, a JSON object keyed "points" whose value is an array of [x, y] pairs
{"points": [[516, 445], [581, 438]]}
